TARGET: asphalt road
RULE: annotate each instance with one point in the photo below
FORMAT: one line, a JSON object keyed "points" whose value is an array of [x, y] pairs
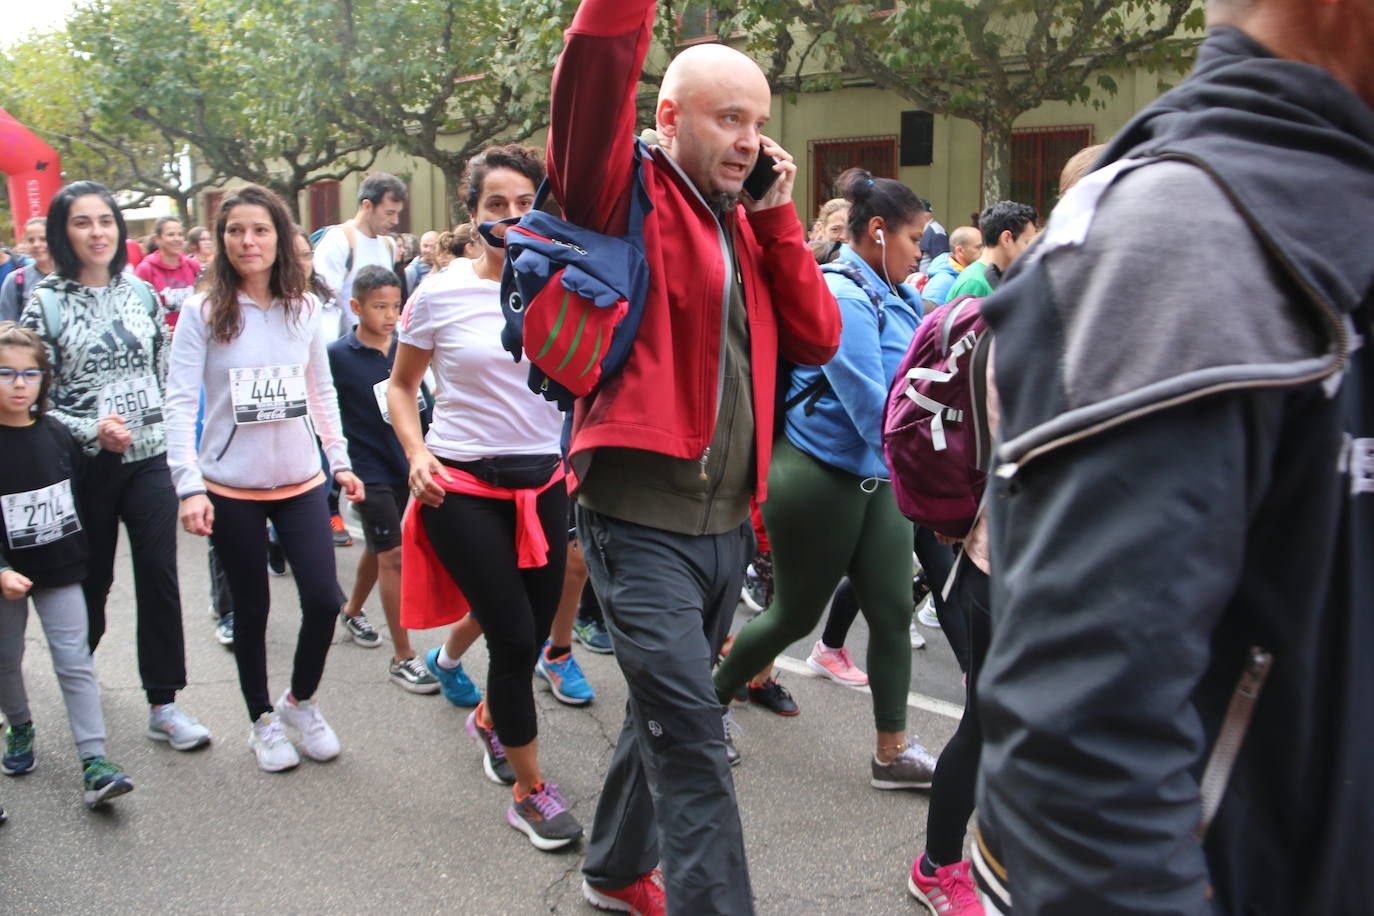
{"points": [[403, 820]]}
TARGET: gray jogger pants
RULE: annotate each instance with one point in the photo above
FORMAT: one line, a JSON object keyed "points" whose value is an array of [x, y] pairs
{"points": [[62, 612], [668, 600]]}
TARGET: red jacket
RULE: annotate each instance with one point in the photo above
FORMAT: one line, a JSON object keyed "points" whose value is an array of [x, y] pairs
{"points": [[664, 400]]}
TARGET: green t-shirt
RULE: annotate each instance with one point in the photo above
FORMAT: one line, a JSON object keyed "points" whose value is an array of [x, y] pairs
{"points": [[973, 281]]}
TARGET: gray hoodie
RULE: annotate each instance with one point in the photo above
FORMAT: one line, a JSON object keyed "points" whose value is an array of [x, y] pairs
{"points": [[267, 393]]}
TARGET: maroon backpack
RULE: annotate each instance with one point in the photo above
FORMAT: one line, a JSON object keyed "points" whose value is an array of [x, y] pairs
{"points": [[935, 435]]}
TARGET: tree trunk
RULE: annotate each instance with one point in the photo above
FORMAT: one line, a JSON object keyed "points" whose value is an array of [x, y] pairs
{"points": [[453, 180], [996, 160], [290, 194]]}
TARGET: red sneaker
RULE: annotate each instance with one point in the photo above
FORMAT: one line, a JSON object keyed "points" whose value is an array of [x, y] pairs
{"points": [[642, 898], [949, 893]]}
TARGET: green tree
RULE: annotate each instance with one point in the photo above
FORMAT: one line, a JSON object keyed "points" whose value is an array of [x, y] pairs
{"points": [[437, 79], [208, 75], [986, 61], [47, 86]]}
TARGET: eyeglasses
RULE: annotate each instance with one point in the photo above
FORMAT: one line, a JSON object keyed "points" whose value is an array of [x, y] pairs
{"points": [[9, 376]]}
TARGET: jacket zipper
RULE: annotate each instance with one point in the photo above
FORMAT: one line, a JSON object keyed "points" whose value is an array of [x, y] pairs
{"points": [[1009, 469], [728, 262], [1232, 734]]}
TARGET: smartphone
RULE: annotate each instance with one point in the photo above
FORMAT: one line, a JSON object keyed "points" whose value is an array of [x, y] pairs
{"points": [[762, 177]]}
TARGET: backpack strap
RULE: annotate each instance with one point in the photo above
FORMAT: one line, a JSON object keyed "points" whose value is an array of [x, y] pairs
{"points": [[810, 395], [956, 306], [145, 294], [978, 402], [820, 386], [851, 271], [51, 310], [351, 235]]}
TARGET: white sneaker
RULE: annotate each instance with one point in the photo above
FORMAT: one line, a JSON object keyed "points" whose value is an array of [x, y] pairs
{"points": [[917, 640], [270, 744], [318, 741], [927, 614], [172, 724]]}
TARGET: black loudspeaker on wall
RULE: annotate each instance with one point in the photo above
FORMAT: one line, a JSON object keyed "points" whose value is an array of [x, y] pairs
{"points": [[918, 138]]}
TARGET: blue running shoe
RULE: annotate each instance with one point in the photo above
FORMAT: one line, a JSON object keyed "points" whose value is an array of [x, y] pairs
{"points": [[454, 682], [565, 678], [18, 750], [103, 780], [593, 635]]}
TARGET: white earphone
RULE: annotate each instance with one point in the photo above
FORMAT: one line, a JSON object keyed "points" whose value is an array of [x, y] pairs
{"points": [[880, 238]]}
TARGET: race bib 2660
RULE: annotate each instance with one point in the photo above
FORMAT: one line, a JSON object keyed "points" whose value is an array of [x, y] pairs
{"points": [[137, 400]]}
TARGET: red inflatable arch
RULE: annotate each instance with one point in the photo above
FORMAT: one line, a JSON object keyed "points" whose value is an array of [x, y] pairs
{"points": [[33, 167]]}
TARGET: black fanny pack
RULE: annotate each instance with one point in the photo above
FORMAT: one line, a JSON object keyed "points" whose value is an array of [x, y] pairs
{"points": [[510, 472]]}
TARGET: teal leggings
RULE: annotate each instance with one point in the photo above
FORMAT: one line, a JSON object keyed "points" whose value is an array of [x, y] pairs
{"points": [[822, 526]]}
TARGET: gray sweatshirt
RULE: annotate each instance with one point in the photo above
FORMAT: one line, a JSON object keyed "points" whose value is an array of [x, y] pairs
{"points": [[267, 393]]}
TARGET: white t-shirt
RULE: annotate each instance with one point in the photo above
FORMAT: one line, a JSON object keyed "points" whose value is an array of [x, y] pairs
{"points": [[331, 263], [484, 406]]}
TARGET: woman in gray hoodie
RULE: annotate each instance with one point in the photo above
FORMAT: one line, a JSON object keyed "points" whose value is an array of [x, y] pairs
{"points": [[253, 341]]}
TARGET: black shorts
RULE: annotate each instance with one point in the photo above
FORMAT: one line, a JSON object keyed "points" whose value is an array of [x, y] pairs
{"points": [[381, 513]]}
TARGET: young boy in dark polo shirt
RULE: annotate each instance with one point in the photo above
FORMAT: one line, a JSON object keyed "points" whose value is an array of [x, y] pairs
{"points": [[361, 363]]}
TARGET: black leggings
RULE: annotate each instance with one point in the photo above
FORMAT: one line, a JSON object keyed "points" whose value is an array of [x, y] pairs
{"points": [[474, 538], [240, 541], [140, 494], [956, 775]]}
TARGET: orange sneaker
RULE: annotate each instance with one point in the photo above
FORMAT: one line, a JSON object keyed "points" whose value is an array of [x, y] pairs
{"points": [[341, 536]]}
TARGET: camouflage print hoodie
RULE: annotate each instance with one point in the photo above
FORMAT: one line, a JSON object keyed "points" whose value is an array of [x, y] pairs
{"points": [[109, 353]]}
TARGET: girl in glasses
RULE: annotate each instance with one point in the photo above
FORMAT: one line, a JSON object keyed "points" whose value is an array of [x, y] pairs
{"points": [[43, 557]]}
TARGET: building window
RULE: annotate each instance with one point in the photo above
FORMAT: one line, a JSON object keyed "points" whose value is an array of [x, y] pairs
{"points": [[324, 204], [695, 23], [829, 158], [1038, 155]]}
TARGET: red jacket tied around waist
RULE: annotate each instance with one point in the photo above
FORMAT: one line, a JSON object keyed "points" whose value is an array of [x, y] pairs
{"points": [[429, 596]]}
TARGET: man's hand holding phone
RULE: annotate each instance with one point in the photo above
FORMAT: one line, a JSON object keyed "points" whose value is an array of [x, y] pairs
{"points": [[770, 183]]}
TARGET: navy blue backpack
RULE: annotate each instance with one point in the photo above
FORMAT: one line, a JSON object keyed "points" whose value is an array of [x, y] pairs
{"points": [[572, 297]]}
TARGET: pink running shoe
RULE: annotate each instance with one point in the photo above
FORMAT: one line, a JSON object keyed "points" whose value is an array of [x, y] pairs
{"points": [[836, 665], [949, 893]]}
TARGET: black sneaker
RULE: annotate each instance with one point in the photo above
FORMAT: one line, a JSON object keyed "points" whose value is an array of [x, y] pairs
{"points": [[731, 727], [774, 697], [757, 591], [359, 629], [412, 675], [920, 588], [276, 558]]}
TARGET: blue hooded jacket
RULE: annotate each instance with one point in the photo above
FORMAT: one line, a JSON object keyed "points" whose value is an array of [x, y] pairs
{"points": [[942, 274], [845, 429]]}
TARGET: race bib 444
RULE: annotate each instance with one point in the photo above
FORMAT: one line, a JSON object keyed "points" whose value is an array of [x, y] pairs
{"points": [[267, 394]]}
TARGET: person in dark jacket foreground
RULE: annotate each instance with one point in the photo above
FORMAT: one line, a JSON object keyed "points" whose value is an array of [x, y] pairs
{"points": [[1183, 514]]}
